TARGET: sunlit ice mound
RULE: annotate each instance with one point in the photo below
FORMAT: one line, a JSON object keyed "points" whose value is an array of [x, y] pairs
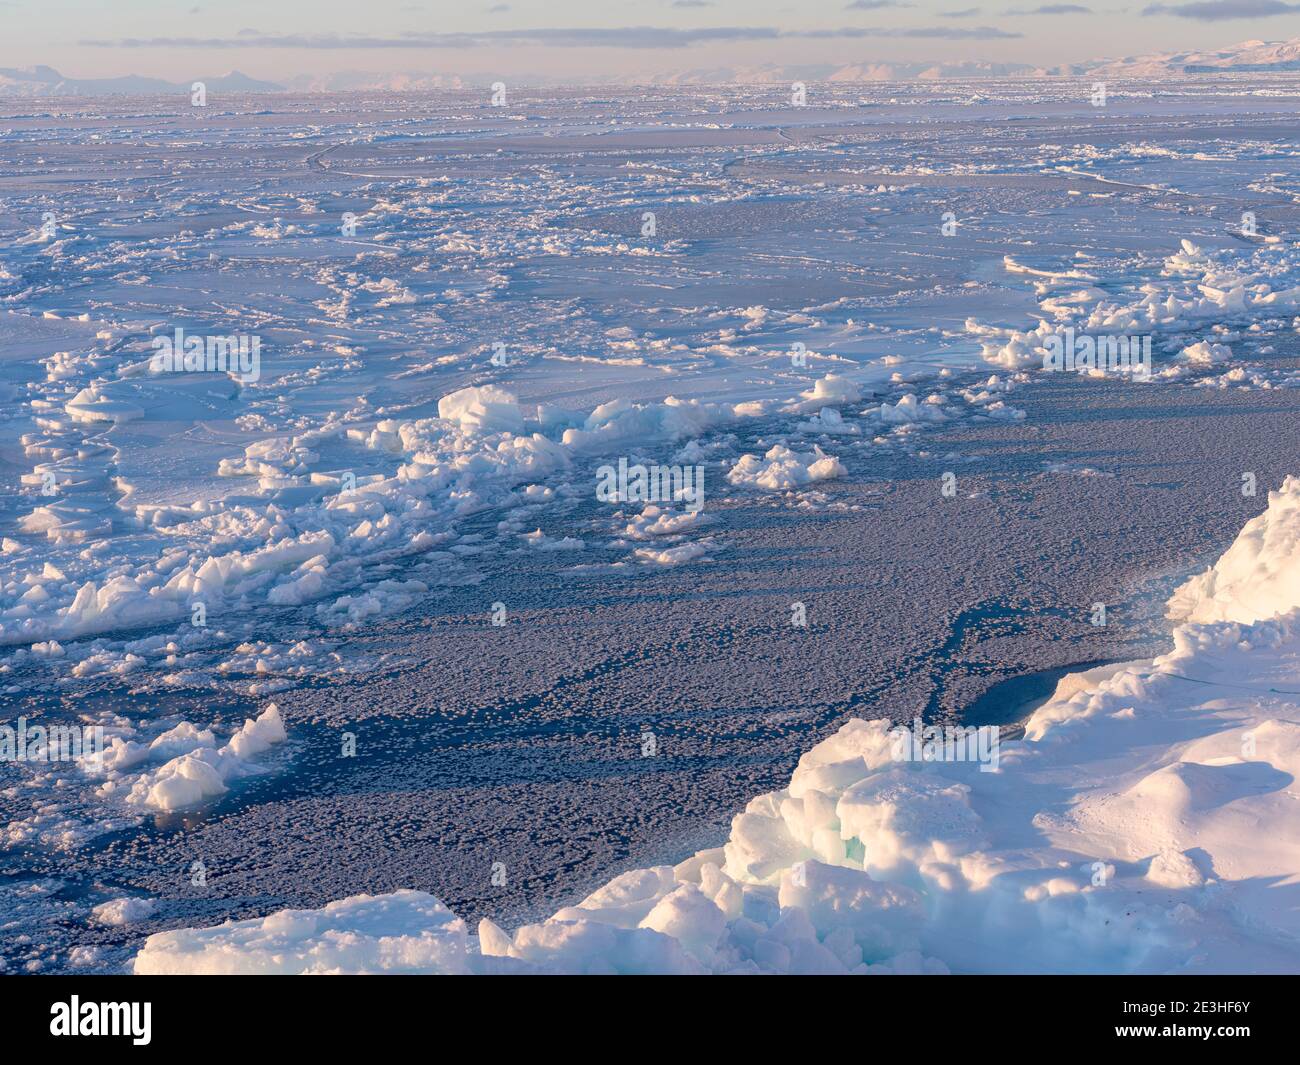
{"points": [[1258, 577], [1145, 823]]}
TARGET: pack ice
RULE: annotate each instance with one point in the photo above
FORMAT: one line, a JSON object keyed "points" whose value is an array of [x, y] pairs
{"points": [[290, 541], [1197, 302], [1144, 823]]}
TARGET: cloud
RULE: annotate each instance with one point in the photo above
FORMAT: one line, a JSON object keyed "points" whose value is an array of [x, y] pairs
{"points": [[692, 3], [1052, 9], [1221, 10], [951, 33], [965, 12], [582, 37], [872, 5], [629, 37]]}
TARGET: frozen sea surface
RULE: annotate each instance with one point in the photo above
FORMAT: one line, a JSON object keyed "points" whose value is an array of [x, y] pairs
{"points": [[522, 744]]}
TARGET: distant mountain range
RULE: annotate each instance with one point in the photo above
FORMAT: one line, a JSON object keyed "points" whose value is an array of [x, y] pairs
{"points": [[46, 81], [1270, 56], [850, 72], [1249, 56], [360, 81]]}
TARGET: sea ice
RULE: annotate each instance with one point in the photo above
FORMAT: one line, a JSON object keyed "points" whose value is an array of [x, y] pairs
{"points": [[1144, 823]]}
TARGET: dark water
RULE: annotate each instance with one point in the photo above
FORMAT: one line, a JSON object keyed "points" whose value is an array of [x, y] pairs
{"points": [[1011, 701]]}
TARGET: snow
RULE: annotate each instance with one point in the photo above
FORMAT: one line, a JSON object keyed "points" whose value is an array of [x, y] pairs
{"points": [[405, 932], [123, 911], [195, 769], [1195, 291], [674, 556], [908, 411], [479, 448], [1257, 578], [1143, 824], [1204, 353], [487, 409], [661, 521], [829, 391], [782, 469]]}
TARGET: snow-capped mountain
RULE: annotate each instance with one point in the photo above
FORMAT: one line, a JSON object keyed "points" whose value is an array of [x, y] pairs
{"points": [[1248, 56], [46, 81], [1269, 56], [364, 81], [848, 72]]}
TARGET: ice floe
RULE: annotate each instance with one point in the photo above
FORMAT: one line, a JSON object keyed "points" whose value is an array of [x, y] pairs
{"points": [[780, 468]]}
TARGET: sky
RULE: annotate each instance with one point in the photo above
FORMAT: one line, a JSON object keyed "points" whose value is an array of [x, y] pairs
{"points": [[278, 39]]}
